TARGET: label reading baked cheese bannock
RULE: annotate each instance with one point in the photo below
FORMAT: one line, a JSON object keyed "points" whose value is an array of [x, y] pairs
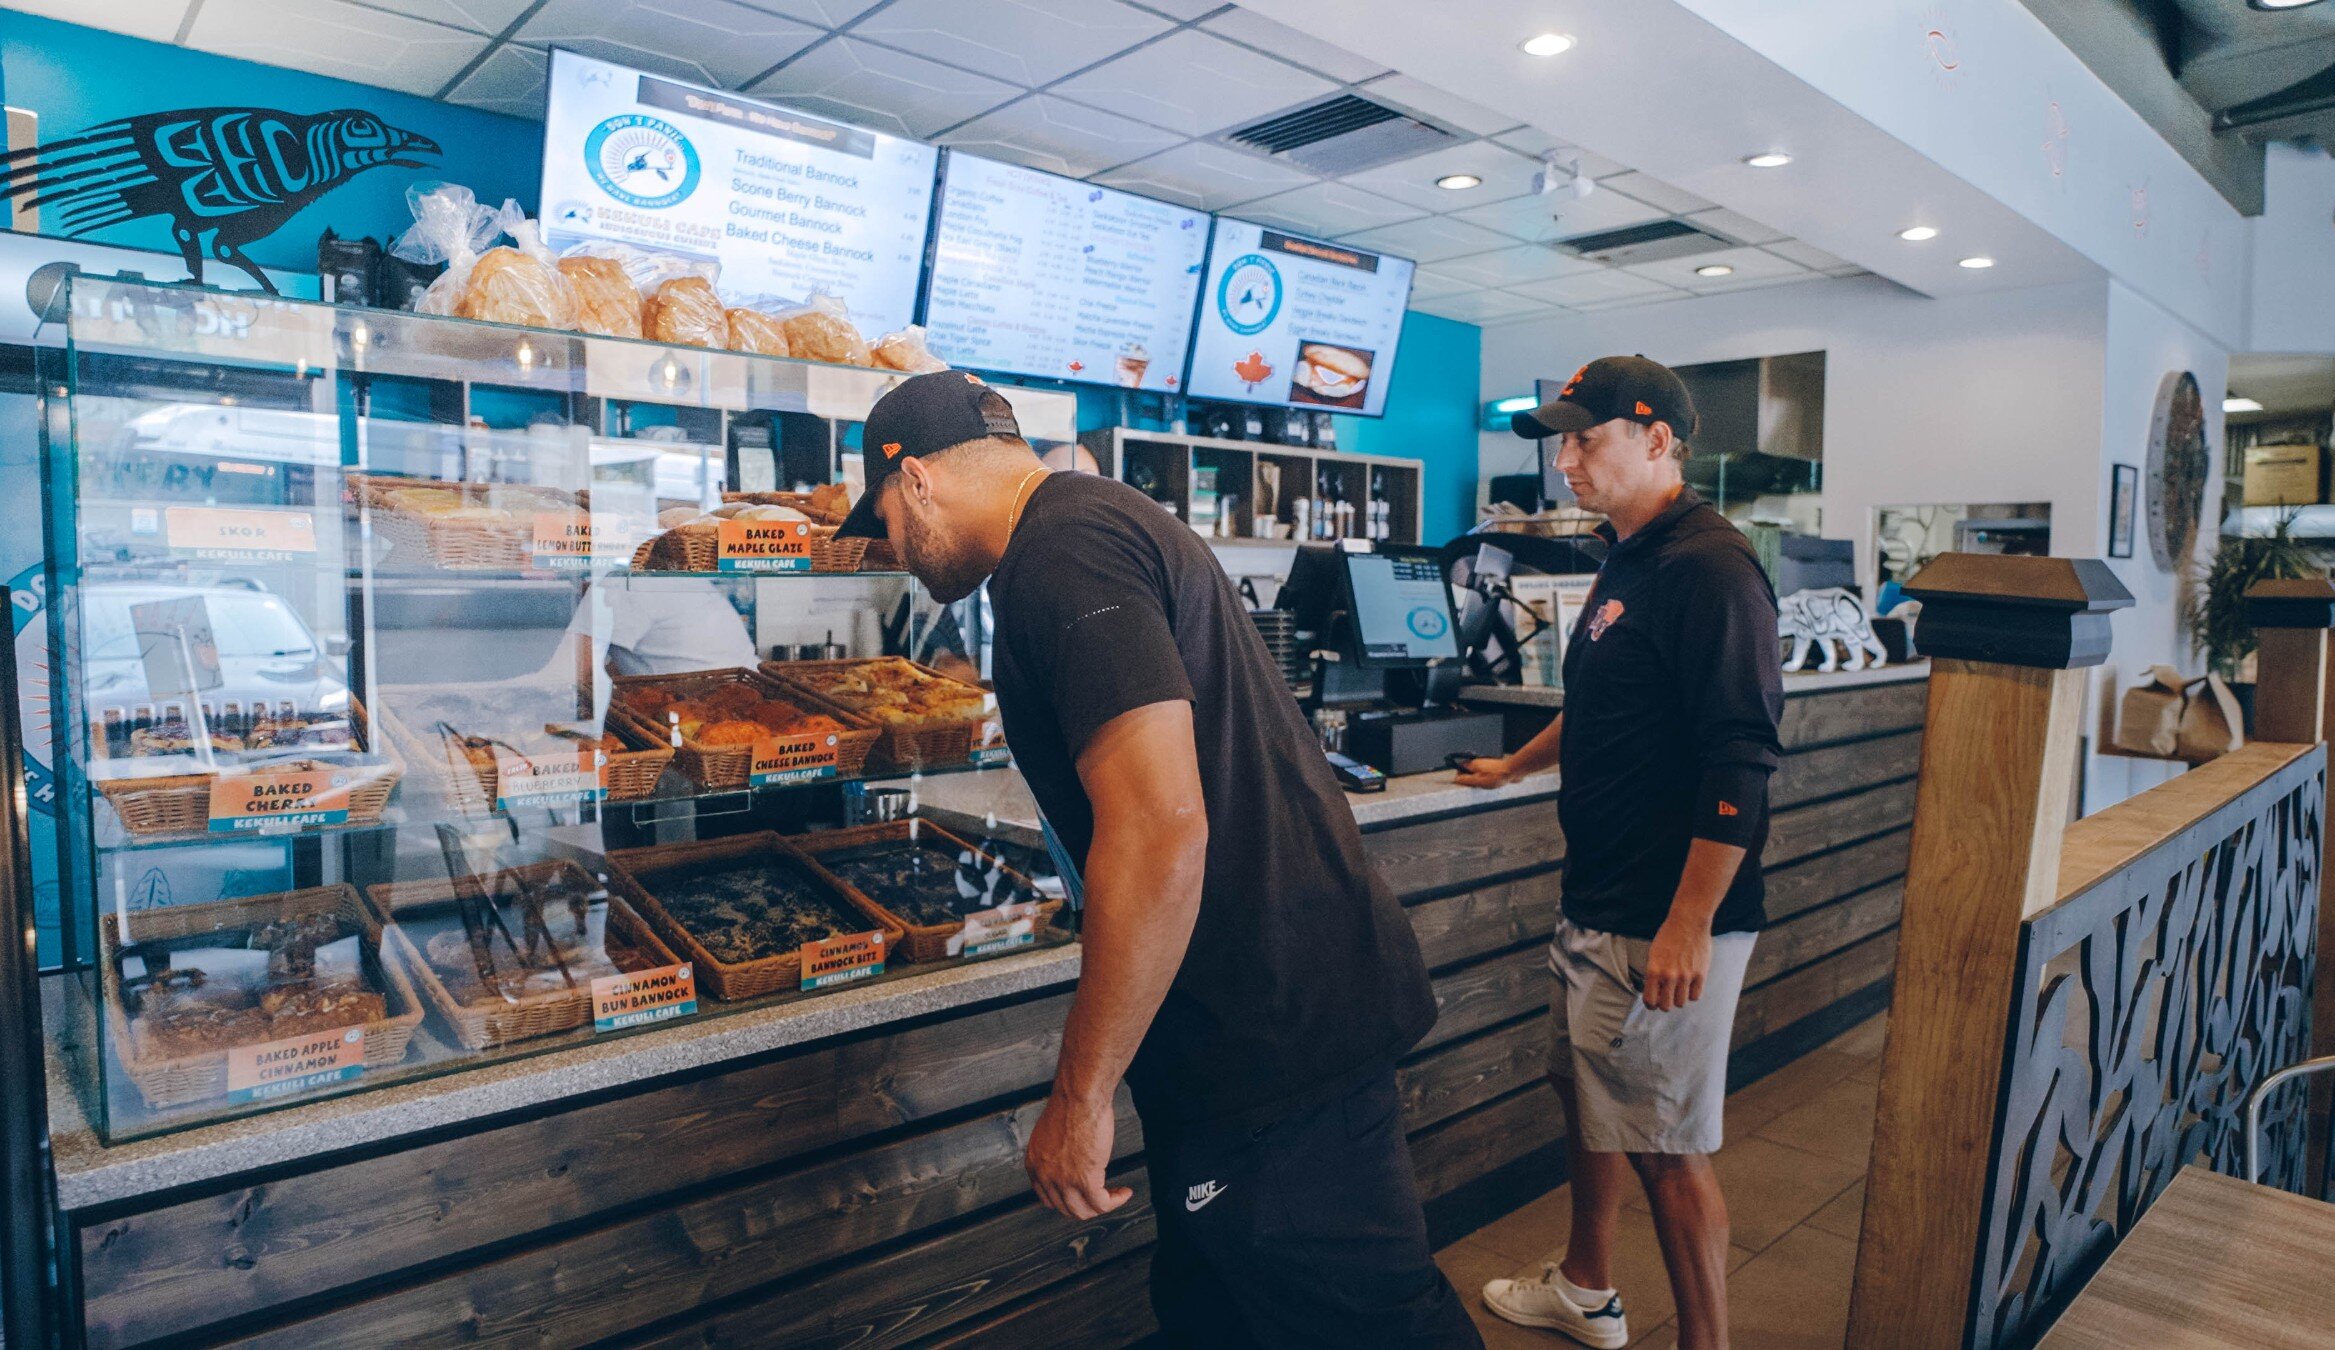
{"points": [[296, 1064], [840, 960], [283, 799], [640, 997], [764, 546], [783, 761]]}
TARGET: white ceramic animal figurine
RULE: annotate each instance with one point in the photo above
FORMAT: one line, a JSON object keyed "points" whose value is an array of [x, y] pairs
{"points": [[1820, 617]]}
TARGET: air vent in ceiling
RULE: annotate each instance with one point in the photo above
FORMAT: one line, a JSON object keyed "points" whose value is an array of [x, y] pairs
{"points": [[1655, 242], [1340, 135]]}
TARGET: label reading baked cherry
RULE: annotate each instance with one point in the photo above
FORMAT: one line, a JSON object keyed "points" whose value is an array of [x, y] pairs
{"points": [[272, 1069], [783, 761], [1000, 929], [763, 546], [563, 542], [640, 997], [227, 534], [840, 960], [549, 780], [283, 799]]}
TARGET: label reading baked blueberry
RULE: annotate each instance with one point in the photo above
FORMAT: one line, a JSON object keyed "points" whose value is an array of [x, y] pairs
{"points": [[640, 997], [785, 761], [257, 1073], [549, 780], [841, 960], [763, 546]]}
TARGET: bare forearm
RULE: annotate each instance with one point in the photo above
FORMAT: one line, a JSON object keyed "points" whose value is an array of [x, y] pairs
{"points": [[1710, 870], [1142, 899], [1541, 751]]}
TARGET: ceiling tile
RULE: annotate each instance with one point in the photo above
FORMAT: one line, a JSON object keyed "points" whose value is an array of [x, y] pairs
{"points": [[1280, 40], [1560, 215], [1514, 266], [862, 83], [329, 38], [1851, 270], [1535, 142], [1207, 176], [153, 20], [1655, 192], [1326, 209], [1429, 239], [1750, 264], [1485, 307], [1807, 255], [1633, 302], [823, 13], [479, 16], [1435, 103], [717, 42], [1428, 284], [1044, 132], [509, 81], [1029, 42], [1593, 287], [1735, 225], [1192, 83], [1505, 174], [1183, 11]]}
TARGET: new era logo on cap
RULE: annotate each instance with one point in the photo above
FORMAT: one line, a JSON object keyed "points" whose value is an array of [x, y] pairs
{"points": [[1631, 388], [891, 449]]}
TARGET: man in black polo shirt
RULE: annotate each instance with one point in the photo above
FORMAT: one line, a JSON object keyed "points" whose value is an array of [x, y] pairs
{"points": [[1244, 970], [1673, 685]]}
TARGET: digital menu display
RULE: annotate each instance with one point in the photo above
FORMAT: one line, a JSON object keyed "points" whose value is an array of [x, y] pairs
{"points": [[1295, 321], [789, 204], [1034, 274]]}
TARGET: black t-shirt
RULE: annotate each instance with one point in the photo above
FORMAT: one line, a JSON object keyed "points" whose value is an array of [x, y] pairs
{"points": [[1673, 685], [1303, 976]]}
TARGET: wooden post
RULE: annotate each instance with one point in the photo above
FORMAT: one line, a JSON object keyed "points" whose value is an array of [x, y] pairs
{"points": [[2008, 638]]}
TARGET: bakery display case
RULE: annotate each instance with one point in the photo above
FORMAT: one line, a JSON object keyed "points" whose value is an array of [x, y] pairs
{"points": [[429, 691]]}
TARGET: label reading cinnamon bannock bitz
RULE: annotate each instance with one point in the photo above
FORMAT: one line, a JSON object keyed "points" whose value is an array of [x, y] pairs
{"points": [[763, 546], [783, 761], [296, 1064], [640, 997], [840, 960]]}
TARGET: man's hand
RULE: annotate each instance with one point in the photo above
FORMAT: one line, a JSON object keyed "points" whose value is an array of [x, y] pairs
{"points": [[1677, 963], [1487, 773], [1067, 1154]]}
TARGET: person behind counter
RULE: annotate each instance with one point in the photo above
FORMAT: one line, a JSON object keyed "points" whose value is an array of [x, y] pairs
{"points": [[1673, 685], [1244, 970]]}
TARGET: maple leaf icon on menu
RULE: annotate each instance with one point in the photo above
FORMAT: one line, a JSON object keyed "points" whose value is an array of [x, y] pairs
{"points": [[1077, 366], [1252, 369], [1171, 381]]}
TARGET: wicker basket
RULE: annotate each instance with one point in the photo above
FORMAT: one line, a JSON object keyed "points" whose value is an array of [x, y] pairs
{"points": [[724, 768], [925, 942], [446, 772], [181, 803], [919, 745], [461, 545], [698, 549], [631, 870], [485, 1025], [187, 1079]]}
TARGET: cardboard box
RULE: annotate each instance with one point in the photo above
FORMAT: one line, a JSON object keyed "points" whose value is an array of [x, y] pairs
{"points": [[2284, 475]]}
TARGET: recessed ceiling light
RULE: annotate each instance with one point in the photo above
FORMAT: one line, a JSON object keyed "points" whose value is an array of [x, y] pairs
{"points": [[1915, 234], [1713, 270], [2280, 4], [1978, 263], [1771, 159], [1548, 44], [1458, 182], [2236, 404]]}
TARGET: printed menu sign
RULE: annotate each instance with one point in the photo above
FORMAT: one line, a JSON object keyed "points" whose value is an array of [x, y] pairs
{"points": [[840, 960], [1290, 320], [640, 997], [764, 546], [989, 747], [284, 799], [783, 761], [549, 780], [295, 1064], [223, 534], [1000, 929], [563, 542]]}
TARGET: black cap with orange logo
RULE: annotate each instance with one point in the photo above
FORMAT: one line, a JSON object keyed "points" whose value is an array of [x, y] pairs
{"points": [[1628, 387], [923, 415]]}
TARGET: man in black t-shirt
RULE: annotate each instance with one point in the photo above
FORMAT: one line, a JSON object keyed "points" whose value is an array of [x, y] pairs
{"points": [[1244, 970]]}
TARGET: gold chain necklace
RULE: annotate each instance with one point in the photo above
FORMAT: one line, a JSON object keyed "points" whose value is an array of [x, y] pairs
{"points": [[1013, 515]]}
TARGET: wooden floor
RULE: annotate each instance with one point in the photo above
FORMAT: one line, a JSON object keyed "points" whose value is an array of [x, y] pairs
{"points": [[1794, 1171]]}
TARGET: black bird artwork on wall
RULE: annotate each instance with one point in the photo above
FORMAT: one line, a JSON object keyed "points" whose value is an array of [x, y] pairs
{"points": [[224, 176]]}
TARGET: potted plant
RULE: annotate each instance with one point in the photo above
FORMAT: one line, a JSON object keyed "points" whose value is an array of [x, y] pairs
{"points": [[2217, 602]]}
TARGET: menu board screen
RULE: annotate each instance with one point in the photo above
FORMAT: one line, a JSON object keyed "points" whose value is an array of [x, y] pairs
{"points": [[789, 204], [1038, 275], [1295, 321]]}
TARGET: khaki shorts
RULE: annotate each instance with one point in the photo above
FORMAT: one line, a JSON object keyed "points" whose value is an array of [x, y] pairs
{"points": [[1646, 1081]]}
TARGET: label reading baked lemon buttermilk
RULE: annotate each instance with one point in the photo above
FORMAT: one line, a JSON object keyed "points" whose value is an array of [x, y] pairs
{"points": [[564, 542], [783, 761], [840, 960], [295, 1064], [763, 546]]}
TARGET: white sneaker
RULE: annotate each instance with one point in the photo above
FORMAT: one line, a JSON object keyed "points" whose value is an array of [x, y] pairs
{"points": [[1545, 1303]]}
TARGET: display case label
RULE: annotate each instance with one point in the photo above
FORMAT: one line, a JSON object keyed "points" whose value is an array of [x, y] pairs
{"points": [[273, 1069], [564, 542], [840, 960], [989, 742], [284, 799], [227, 534], [783, 761], [640, 997], [764, 546], [549, 780], [999, 930]]}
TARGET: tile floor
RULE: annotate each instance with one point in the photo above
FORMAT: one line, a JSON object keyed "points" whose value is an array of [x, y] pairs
{"points": [[1794, 1171]]}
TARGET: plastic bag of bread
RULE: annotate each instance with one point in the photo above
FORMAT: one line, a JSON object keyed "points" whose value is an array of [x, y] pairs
{"points": [[606, 301], [905, 350], [450, 227], [751, 330], [647, 268], [821, 331], [685, 309], [518, 283]]}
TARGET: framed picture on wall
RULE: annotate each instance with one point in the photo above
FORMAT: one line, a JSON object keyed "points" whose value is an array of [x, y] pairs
{"points": [[2122, 499]]}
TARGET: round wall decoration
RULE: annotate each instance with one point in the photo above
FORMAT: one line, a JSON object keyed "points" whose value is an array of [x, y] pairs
{"points": [[2177, 466]]}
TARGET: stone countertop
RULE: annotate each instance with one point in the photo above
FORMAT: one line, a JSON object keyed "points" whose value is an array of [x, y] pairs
{"points": [[1797, 684]]}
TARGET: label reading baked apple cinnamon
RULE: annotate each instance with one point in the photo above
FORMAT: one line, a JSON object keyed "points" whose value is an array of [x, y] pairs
{"points": [[257, 1073], [1000, 929], [230, 534], [640, 997], [549, 780], [764, 546], [840, 960], [563, 542], [283, 799], [783, 761]]}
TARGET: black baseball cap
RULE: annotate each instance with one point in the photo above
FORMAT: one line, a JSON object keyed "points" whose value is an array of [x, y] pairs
{"points": [[922, 415], [1628, 387]]}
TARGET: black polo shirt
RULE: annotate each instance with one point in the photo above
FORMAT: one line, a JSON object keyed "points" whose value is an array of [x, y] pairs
{"points": [[1673, 686], [1303, 977]]}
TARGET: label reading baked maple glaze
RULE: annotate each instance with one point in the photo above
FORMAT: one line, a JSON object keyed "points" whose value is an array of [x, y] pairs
{"points": [[283, 799], [840, 960], [549, 780], [640, 997], [295, 1064], [763, 546], [563, 542], [1000, 929], [227, 534], [783, 761]]}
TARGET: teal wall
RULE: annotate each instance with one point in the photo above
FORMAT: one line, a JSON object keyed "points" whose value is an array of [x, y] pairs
{"points": [[1432, 411]]}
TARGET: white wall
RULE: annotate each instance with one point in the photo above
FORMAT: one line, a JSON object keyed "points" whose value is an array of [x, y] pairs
{"points": [[2294, 253]]}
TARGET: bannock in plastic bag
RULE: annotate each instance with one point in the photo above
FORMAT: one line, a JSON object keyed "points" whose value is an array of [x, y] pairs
{"points": [[819, 331], [685, 309], [751, 330], [905, 350], [606, 302]]}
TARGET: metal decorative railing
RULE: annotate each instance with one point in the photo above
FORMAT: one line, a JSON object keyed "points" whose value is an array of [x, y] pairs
{"points": [[2146, 1007]]}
